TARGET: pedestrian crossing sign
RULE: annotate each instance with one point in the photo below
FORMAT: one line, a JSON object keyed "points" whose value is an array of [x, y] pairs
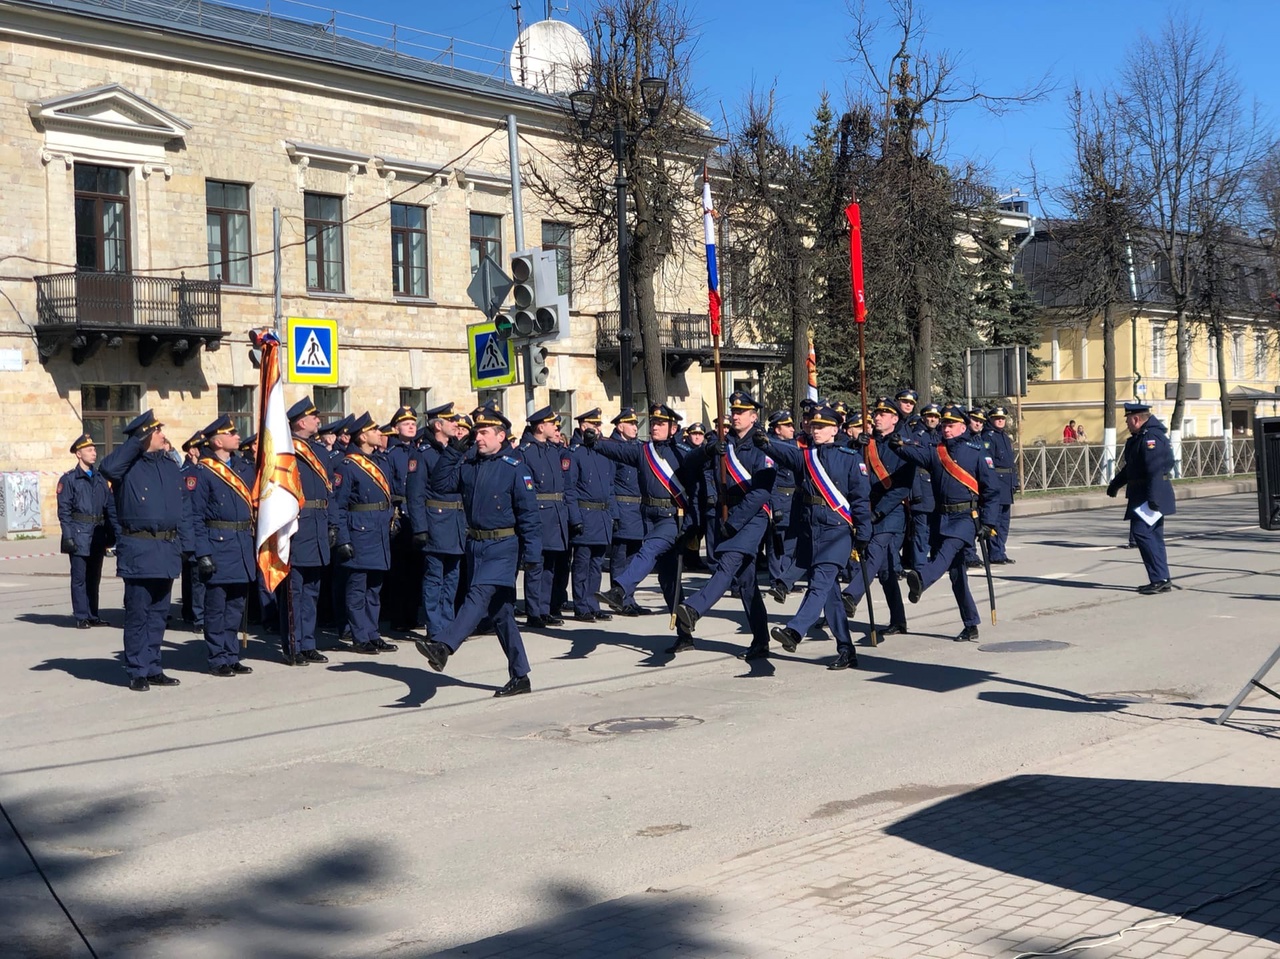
{"points": [[313, 351], [492, 358]]}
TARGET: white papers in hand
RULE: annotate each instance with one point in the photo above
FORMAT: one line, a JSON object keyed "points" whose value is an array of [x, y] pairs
{"points": [[1147, 514]]}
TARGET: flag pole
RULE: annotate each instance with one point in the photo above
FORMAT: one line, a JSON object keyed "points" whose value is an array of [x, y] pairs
{"points": [[853, 214], [713, 310]]}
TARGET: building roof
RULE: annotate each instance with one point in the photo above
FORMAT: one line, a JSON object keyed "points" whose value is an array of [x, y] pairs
{"points": [[332, 43]]}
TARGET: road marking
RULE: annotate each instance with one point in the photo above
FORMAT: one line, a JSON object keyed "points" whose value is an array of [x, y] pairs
{"points": [[29, 556]]}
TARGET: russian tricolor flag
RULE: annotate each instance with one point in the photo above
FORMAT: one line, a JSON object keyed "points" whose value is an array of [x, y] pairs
{"points": [[709, 235]]}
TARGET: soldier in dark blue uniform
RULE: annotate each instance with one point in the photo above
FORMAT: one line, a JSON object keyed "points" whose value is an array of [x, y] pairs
{"points": [[922, 506], [976, 423], [333, 586], [437, 519], [628, 517], [588, 490], [154, 513], [702, 499], [226, 560], [966, 486], [404, 580], [891, 478], [667, 472], [741, 522], [1147, 477], [87, 515], [547, 467], [780, 543], [309, 550], [504, 533], [191, 586], [833, 486], [1006, 471], [363, 517]]}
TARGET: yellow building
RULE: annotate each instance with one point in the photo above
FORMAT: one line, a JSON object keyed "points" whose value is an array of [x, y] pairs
{"points": [[147, 147]]}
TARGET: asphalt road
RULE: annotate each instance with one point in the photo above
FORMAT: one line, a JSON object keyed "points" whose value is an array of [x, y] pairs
{"points": [[373, 807]]}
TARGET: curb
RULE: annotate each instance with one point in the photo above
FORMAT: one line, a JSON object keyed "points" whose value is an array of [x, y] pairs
{"points": [[1100, 500]]}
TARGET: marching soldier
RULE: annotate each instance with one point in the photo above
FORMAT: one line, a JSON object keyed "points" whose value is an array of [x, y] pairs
{"points": [[628, 516], [438, 521], [154, 513], [561, 571], [588, 490], [922, 503], [504, 533], [87, 515], [1148, 480], [965, 484], [404, 579], [748, 489], [780, 543], [976, 421], [834, 488], [363, 541], [226, 561], [891, 478], [1006, 471], [667, 471], [547, 467], [309, 549]]}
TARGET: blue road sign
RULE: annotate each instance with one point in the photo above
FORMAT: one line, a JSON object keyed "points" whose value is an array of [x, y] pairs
{"points": [[492, 360], [313, 351]]}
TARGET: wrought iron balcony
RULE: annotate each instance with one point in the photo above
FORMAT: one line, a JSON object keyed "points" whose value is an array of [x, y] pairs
{"points": [[90, 310], [685, 338]]}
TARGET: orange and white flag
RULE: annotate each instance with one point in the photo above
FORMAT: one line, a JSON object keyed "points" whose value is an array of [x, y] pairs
{"points": [[278, 491]]}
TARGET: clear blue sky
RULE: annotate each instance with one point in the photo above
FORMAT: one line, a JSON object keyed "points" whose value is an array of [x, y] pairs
{"points": [[802, 47]]}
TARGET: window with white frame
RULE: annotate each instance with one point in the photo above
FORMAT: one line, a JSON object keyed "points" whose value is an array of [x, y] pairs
{"points": [[1259, 356], [1158, 348], [1213, 355], [1237, 355]]}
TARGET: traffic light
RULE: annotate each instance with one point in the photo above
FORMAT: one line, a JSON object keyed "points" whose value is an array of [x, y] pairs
{"points": [[503, 327], [538, 371], [539, 309]]}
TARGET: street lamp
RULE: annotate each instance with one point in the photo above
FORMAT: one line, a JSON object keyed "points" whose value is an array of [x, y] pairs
{"points": [[583, 103]]}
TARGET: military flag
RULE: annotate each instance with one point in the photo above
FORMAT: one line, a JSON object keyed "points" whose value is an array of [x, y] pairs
{"points": [[709, 236], [278, 490]]}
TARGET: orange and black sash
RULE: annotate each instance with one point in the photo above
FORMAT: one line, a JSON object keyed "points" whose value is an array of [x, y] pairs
{"points": [[230, 477], [877, 466], [957, 472], [375, 473], [308, 456]]}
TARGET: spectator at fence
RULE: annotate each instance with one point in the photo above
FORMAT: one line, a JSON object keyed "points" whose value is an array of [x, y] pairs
{"points": [[1080, 436], [1069, 432]]}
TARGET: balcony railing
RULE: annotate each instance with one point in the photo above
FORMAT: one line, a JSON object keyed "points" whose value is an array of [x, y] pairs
{"points": [[684, 333], [127, 302]]}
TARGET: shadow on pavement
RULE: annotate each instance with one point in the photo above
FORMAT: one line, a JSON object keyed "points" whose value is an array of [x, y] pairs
{"points": [[421, 682], [1160, 846], [109, 671], [655, 925], [285, 911], [65, 620]]}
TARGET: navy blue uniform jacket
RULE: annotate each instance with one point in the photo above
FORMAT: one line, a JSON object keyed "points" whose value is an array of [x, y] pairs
{"points": [[548, 463], [217, 501], [825, 536], [588, 493], [363, 495], [626, 482], [685, 461], [890, 491], [432, 510], [974, 458], [87, 496], [310, 544], [1005, 463], [497, 494], [1147, 474], [746, 493], [151, 495]]}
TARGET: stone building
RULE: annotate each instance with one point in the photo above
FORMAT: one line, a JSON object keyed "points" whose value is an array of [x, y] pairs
{"points": [[146, 147]]}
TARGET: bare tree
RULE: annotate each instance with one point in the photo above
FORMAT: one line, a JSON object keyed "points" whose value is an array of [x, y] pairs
{"points": [[1187, 128], [631, 40]]}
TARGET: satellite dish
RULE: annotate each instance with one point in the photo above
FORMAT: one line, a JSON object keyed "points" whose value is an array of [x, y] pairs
{"points": [[550, 56]]}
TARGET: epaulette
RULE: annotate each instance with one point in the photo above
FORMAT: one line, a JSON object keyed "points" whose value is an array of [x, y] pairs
{"points": [[683, 448], [847, 449], [512, 460]]}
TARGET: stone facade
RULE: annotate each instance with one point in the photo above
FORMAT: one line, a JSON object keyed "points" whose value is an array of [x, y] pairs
{"points": [[286, 126]]}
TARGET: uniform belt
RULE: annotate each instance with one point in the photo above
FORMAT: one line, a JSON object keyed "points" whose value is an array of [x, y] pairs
{"points": [[164, 535], [315, 504], [629, 499], [1003, 469], [443, 504], [239, 526], [958, 508], [86, 517], [785, 490], [592, 504], [551, 497], [663, 503], [397, 499], [367, 507], [505, 532], [816, 500]]}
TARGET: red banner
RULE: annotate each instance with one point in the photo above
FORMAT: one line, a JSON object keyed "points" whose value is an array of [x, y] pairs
{"points": [[854, 215]]}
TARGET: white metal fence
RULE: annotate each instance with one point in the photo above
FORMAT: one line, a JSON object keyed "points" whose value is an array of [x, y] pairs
{"points": [[1083, 464]]}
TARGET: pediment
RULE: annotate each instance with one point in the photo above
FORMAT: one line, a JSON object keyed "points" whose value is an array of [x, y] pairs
{"points": [[111, 112]]}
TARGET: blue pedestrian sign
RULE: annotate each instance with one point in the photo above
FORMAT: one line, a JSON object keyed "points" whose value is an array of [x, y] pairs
{"points": [[313, 351], [491, 358]]}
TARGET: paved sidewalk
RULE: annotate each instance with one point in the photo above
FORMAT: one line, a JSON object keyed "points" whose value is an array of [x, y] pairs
{"points": [[1144, 826]]}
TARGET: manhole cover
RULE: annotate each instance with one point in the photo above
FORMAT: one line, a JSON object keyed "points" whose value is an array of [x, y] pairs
{"points": [[1023, 646], [642, 724]]}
